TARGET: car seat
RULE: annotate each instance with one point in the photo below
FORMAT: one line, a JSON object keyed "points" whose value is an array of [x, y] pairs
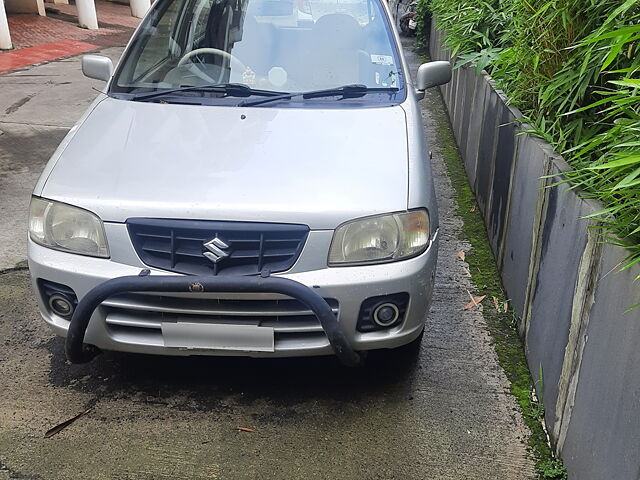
{"points": [[336, 51]]}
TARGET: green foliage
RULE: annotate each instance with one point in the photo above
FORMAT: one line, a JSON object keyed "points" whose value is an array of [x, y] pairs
{"points": [[573, 68], [481, 59], [552, 469], [472, 25], [423, 19]]}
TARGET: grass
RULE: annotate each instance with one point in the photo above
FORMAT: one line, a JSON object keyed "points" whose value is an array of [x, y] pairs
{"points": [[502, 325], [573, 68]]}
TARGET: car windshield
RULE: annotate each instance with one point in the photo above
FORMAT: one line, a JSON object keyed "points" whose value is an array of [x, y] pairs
{"points": [[269, 45]]}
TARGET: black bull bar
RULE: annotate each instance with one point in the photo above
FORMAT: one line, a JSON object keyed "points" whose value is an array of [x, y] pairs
{"points": [[78, 352]]}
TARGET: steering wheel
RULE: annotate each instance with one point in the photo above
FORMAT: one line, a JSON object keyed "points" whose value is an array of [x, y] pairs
{"points": [[214, 51]]}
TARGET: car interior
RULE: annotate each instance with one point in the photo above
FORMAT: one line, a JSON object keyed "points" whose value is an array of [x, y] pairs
{"points": [[266, 44]]}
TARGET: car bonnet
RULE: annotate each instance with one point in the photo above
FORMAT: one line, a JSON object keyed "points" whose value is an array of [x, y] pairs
{"points": [[318, 167]]}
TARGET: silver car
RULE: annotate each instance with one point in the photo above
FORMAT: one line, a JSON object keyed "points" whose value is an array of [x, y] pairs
{"points": [[254, 181]]}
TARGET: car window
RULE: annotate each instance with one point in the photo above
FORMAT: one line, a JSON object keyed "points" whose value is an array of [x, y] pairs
{"points": [[198, 28], [160, 44], [278, 45]]}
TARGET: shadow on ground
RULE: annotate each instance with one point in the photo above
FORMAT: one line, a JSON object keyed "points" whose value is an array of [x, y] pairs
{"points": [[204, 380]]}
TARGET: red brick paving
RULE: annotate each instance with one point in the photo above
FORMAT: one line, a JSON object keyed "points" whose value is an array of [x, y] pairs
{"points": [[109, 13], [30, 30], [42, 53], [38, 39]]}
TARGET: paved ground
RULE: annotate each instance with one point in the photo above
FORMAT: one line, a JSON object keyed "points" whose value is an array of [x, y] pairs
{"points": [[37, 39], [444, 414]]}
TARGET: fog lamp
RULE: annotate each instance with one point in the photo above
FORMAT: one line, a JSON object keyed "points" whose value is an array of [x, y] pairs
{"points": [[61, 305], [386, 314]]}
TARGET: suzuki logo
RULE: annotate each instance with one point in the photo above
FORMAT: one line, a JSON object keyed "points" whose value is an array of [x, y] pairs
{"points": [[216, 252]]}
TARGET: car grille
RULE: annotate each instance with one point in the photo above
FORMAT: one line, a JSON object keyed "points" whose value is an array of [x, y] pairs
{"points": [[138, 317], [240, 248]]}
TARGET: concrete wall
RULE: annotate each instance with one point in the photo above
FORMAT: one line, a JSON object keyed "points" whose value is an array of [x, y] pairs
{"points": [[25, 6], [562, 280]]}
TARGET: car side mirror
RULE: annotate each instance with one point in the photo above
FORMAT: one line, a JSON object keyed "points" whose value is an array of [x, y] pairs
{"points": [[97, 66], [432, 74]]}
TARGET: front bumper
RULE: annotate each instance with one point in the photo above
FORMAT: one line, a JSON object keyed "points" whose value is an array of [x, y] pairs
{"points": [[348, 286]]}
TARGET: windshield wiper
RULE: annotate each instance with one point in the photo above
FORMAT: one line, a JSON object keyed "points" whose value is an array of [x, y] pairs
{"points": [[346, 91], [229, 89]]}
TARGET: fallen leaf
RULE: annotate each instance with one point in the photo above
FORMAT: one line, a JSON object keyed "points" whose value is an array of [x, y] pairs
{"points": [[474, 302], [461, 255], [58, 428], [470, 296], [496, 304], [244, 429], [472, 209]]}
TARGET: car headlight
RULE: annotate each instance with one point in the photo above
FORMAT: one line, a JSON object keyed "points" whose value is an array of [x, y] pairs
{"points": [[63, 227], [384, 238]]}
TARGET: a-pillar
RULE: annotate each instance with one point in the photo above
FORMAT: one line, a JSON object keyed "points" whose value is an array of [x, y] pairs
{"points": [[139, 7], [5, 37], [87, 17]]}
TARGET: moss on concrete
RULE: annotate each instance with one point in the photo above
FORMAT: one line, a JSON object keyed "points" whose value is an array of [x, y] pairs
{"points": [[486, 278]]}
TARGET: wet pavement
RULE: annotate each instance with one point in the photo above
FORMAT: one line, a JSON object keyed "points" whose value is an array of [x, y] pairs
{"points": [[443, 412]]}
